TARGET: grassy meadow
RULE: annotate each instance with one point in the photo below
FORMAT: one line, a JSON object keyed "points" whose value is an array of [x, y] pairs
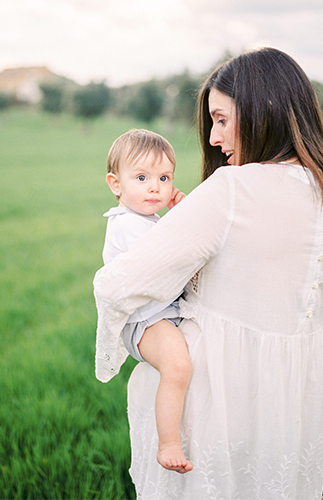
{"points": [[63, 434]]}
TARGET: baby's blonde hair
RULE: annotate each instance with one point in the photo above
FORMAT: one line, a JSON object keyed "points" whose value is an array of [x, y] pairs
{"points": [[135, 143]]}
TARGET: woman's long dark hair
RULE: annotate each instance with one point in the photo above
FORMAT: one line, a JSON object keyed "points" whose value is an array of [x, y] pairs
{"points": [[278, 115]]}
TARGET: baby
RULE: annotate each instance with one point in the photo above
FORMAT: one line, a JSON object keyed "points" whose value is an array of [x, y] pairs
{"points": [[140, 174]]}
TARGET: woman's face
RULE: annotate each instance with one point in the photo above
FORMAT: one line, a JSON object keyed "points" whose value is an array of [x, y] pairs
{"points": [[223, 132]]}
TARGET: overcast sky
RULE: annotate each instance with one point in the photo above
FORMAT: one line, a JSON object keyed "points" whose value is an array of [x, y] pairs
{"points": [[123, 41]]}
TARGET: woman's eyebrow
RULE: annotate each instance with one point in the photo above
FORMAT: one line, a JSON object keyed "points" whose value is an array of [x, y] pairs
{"points": [[215, 111]]}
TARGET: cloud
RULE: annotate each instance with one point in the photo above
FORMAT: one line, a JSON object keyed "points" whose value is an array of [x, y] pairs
{"points": [[124, 41], [255, 6], [218, 25]]}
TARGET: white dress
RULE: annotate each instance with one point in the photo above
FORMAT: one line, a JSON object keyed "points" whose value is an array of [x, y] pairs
{"points": [[253, 416]]}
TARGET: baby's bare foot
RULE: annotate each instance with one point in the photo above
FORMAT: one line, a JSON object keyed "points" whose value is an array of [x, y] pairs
{"points": [[172, 457]]}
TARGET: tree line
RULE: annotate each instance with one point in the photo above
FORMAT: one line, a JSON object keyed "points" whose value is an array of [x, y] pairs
{"points": [[173, 97]]}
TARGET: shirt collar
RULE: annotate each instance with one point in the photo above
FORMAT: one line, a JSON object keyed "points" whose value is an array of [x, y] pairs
{"points": [[124, 210]]}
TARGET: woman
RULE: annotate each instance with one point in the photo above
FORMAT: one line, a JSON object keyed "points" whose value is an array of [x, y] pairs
{"points": [[250, 238]]}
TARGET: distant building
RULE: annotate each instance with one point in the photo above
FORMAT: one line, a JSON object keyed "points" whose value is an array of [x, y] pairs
{"points": [[23, 83]]}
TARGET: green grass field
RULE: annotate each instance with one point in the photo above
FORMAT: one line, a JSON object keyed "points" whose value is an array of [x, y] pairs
{"points": [[63, 434]]}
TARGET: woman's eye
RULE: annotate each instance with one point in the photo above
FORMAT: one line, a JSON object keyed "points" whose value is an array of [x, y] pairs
{"points": [[164, 178], [141, 178], [222, 121]]}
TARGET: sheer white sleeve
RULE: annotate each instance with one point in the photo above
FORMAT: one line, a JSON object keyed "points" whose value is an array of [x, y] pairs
{"points": [[160, 264]]}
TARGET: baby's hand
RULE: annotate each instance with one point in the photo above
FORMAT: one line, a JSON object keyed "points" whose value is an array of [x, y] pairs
{"points": [[177, 196]]}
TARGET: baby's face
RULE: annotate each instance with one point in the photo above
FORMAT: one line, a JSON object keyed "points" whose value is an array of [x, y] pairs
{"points": [[146, 186]]}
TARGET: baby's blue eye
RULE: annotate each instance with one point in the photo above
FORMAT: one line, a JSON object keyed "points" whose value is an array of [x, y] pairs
{"points": [[164, 178], [141, 178]]}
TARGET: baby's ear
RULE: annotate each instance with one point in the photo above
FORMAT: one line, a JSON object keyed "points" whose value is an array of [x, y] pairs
{"points": [[113, 183]]}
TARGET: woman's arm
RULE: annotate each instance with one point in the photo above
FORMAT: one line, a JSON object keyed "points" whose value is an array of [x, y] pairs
{"points": [[160, 264]]}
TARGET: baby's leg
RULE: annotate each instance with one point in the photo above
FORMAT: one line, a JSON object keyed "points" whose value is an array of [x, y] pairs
{"points": [[164, 347]]}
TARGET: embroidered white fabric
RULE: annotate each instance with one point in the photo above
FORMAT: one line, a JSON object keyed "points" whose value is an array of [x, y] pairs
{"points": [[253, 416]]}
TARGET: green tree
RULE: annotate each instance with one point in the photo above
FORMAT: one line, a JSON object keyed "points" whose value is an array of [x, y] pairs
{"points": [[5, 100], [185, 100], [92, 100], [148, 103], [318, 87], [52, 100]]}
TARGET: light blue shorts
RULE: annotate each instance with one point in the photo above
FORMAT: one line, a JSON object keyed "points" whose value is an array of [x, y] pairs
{"points": [[133, 332]]}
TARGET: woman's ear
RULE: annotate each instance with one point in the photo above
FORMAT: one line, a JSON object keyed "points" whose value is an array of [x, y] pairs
{"points": [[113, 183]]}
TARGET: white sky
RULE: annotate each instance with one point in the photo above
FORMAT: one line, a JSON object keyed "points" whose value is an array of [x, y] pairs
{"points": [[123, 41]]}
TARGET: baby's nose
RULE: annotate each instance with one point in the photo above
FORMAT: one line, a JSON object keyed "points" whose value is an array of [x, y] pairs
{"points": [[154, 186]]}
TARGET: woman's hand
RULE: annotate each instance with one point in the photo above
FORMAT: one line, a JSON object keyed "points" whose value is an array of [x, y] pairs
{"points": [[177, 196]]}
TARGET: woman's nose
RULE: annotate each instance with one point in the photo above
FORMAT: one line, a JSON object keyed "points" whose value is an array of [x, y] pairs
{"points": [[215, 137]]}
